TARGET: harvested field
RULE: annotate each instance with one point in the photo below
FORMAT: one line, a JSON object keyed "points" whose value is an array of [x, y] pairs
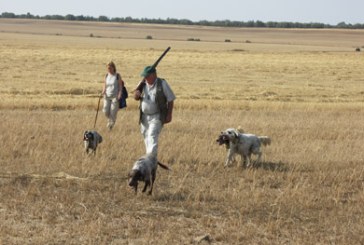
{"points": [[303, 88]]}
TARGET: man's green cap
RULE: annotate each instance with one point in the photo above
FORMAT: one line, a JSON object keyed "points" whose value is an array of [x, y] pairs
{"points": [[147, 71]]}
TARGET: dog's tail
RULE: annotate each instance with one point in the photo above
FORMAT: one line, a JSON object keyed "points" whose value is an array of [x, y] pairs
{"points": [[163, 166], [265, 140]]}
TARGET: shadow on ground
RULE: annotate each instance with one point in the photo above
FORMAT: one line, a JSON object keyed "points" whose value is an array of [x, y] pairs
{"points": [[272, 166]]}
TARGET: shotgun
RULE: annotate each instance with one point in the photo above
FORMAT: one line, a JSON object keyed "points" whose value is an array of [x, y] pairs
{"points": [[142, 83]]}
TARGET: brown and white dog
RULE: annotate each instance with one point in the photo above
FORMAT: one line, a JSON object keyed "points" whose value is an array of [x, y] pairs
{"points": [[243, 144], [145, 170], [91, 139]]}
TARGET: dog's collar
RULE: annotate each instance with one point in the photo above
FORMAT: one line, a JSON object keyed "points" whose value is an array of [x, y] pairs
{"points": [[236, 139]]}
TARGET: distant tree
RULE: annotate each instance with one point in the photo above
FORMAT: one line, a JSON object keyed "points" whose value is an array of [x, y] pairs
{"points": [[342, 25], [29, 15], [128, 19], [250, 23], [317, 25], [117, 19], [259, 23], [53, 17], [271, 24], [185, 22], [70, 17], [80, 18], [8, 15], [358, 26], [204, 23], [222, 23], [103, 18]]}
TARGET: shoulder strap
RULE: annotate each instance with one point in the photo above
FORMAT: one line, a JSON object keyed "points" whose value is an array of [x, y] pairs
{"points": [[159, 83], [117, 76]]}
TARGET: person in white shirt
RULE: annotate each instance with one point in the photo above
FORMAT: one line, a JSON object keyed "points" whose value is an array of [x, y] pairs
{"points": [[156, 107], [112, 92]]}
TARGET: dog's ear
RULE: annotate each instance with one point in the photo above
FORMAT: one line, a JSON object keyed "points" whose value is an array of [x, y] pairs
{"points": [[240, 129], [236, 133], [133, 173]]}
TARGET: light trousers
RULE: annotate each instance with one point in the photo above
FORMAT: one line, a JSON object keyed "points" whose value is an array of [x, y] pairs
{"points": [[110, 109], [150, 127]]}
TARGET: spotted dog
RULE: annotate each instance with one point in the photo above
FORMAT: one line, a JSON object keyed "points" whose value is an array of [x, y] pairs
{"points": [[145, 170], [91, 139], [243, 144]]}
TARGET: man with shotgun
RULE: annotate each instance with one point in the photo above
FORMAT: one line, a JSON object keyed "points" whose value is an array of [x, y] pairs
{"points": [[156, 105]]}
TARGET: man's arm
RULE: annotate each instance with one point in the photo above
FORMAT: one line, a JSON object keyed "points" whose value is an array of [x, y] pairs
{"points": [[138, 90], [169, 112]]}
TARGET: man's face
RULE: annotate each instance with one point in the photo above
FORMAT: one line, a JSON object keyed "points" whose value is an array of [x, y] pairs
{"points": [[151, 78]]}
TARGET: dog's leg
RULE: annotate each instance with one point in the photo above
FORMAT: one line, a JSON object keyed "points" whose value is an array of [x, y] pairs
{"points": [[154, 173], [226, 162], [147, 179], [136, 188], [233, 158], [257, 151], [248, 160], [259, 156], [243, 160], [229, 157], [147, 183]]}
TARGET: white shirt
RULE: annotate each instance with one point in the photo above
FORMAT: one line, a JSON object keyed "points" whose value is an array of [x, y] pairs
{"points": [[149, 104], [112, 85]]}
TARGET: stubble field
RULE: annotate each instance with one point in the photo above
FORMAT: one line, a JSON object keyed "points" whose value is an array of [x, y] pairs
{"points": [[303, 88]]}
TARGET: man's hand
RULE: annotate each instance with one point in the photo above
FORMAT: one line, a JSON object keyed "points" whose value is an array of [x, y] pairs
{"points": [[137, 94], [169, 113], [168, 119]]}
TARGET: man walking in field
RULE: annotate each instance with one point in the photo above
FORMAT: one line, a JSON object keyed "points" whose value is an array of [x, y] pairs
{"points": [[156, 107]]}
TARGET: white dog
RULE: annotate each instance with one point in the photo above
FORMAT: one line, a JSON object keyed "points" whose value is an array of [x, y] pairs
{"points": [[243, 144]]}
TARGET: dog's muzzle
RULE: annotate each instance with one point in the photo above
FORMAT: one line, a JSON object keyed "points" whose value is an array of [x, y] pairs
{"points": [[133, 184], [222, 139]]}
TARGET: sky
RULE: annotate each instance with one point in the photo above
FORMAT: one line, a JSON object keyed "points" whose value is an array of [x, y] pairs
{"points": [[305, 11]]}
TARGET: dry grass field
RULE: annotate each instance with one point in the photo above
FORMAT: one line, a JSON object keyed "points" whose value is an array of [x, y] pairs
{"points": [[303, 88]]}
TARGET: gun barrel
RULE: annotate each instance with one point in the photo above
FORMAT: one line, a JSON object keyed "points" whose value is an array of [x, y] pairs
{"points": [[161, 57], [142, 83]]}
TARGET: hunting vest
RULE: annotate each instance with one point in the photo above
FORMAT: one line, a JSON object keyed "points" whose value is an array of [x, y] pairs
{"points": [[161, 101]]}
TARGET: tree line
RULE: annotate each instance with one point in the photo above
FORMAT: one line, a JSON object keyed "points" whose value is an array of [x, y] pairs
{"points": [[218, 23]]}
